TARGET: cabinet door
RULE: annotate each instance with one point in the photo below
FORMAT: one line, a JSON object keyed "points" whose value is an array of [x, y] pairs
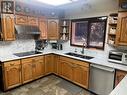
{"points": [[67, 69], [8, 27], [56, 62], [49, 64], [32, 21], [21, 20], [53, 29], [12, 74], [43, 28], [119, 76], [27, 70], [38, 67], [121, 38], [81, 75]]}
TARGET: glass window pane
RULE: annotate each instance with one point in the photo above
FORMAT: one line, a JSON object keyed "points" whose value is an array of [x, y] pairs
{"points": [[79, 32], [97, 33]]}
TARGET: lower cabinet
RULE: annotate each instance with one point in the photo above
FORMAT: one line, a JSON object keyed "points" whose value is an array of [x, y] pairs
{"points": [[75, 71], [27, 70], [119, 76], [38, 67], [32, 68], [12, 74], [49, 64]]}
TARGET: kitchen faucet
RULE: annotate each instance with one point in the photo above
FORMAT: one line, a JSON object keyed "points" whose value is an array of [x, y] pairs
{"points": [[83, 48]]}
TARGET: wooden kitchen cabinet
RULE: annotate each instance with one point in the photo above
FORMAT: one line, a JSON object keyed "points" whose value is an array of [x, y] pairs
{"points": [[39, 67], [7, 25], [27, 70], [67, 69], [32, 68], [21, 20], [53, 29], [49, 64], [121, 37], [43, 28], [81, 75], [33, 21], [119, 76], [11, 74], [75, 71]]}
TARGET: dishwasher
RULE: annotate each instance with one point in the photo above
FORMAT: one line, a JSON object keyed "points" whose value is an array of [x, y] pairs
{"points": [[101, 79]]}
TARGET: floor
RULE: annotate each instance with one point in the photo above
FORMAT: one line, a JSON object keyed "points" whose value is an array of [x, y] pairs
{"points": [[50, 85]]}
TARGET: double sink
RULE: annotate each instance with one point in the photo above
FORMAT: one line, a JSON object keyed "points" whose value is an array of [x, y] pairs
{"points": [[79, 55], [22, 54]]}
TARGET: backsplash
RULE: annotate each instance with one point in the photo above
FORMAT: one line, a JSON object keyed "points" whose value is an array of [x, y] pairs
{"points": [[21, 44]]}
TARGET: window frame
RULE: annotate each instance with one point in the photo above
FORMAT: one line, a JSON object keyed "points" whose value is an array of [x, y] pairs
{"points": [[90, 20]]}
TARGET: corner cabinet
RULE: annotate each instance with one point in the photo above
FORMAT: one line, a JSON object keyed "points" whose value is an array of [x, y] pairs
{"points": [[7, 26], [53, 29], [12, 74], [121, 37]]}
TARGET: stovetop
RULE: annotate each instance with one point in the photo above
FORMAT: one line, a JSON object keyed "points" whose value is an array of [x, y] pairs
{"points": [[22, 54]]}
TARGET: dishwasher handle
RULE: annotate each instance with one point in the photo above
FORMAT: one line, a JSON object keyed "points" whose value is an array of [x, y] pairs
{"points": [[109, 69]]}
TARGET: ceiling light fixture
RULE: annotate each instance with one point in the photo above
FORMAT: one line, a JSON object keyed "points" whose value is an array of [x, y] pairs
{"points": [[57, 2]]}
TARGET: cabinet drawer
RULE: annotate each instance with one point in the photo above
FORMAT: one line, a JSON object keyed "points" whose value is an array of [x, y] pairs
{"points": [[12, 63], [33, 21], [20, 19], [75, 61], [39, 59], [27, 60]]}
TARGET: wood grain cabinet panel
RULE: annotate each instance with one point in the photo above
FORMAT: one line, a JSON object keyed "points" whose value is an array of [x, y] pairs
{"points": [[21, 20], [75, 71], [12, 74], [32, 21], [121, 37], [27, 70], [49, 64], [38, 67], [8, 31], [43, 28], [67, 70], [119, 76], [53, 29]]}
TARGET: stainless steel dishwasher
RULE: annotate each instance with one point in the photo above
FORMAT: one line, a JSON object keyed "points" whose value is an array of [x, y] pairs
{"points": [[101, 79]]}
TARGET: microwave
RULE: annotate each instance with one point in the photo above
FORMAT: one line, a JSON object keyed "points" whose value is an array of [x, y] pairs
{"points": [[117, 57]]}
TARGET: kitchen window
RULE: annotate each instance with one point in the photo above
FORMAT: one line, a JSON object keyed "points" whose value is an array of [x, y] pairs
{"points": [[90, 31]]}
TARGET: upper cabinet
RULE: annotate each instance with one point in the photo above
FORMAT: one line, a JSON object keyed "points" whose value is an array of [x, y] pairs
{"points": [[32, 21], [53, 29], [43, 28], [21, 20], [7, 26], [121, 37]]}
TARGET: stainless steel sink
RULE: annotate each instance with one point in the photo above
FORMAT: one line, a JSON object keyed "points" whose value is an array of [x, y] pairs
{"points": [[79, 55]]}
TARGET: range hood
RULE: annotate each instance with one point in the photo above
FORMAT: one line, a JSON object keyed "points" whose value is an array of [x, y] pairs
{"points": [[23, 29]]}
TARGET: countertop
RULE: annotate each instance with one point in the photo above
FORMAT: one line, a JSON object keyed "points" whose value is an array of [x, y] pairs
{"points": [[96, 60], [121, 88]]}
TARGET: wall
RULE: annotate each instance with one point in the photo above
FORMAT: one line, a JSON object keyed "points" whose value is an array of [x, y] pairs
{"points": [[100, 8], [21, 44]]}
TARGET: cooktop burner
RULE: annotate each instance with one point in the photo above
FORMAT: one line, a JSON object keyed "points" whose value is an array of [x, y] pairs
{"points": [[27, 53]]}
